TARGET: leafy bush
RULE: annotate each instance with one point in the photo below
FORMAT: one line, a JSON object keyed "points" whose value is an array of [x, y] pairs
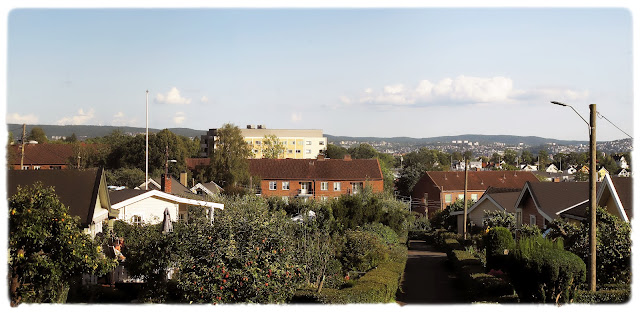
{"points": [[420, 222], [527, 230], [497, 240], [499, 219], [47, 247], [363, 251], [603, 296], [385, 233], [613, 249], [542, 271]]}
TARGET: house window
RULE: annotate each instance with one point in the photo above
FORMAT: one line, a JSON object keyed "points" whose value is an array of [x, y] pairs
{"points": [[307, 151], [532, 219], [25, 167], [336, 186], [255, 150], [181, 217], [272, 185], [298, 151], [474, 197], [321, 143], [289, 151], [518, 218], [285, 185], [308, 142], [283, 142], [324, 198], [136, 220], [447, 198], [258, 142], [36, 167], [324, 185], [57, 167], [461, 196]]}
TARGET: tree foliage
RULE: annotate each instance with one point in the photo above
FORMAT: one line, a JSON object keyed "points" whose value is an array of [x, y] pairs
{"points": [[229, 165], [47, 248], [335, 152], [272, 147], [129, 177], [38, 135]]}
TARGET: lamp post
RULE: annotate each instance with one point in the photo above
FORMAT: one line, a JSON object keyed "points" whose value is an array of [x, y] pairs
{"points": [[592, 190]]}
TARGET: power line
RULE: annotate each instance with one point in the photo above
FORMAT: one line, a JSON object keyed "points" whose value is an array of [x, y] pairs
{"points": [[602, 116]]}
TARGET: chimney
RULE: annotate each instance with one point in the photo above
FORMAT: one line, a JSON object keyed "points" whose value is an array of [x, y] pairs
{"points": [[183, 178], [347, 157], [165, 185], [320, 157]]}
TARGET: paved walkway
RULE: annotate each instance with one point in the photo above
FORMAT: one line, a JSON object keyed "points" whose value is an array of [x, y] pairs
{"points": [[427, 279]]}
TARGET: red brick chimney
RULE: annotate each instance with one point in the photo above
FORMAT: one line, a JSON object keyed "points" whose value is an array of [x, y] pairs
{"points": [[165, 185], [347, 157], [321, 157]]}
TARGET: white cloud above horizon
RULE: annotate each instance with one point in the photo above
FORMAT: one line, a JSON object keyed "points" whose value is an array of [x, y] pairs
{"points": [[296, 117], [80, 119], [461, 90], [179, 118], [172, 97], [119, 119], [15, 118], [204, 99]]}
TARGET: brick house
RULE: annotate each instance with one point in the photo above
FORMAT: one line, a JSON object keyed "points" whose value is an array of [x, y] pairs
{"points": [[320, 179], [540, 203], [436, 190]]}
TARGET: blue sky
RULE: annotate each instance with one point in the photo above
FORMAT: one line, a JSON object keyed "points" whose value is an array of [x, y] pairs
{"points": [[417, 72]]}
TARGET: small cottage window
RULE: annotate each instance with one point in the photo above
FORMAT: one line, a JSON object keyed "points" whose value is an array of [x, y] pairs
{"points": [[136, 220]]}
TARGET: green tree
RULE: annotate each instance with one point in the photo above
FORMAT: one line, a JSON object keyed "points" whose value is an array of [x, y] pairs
{"points": [[543, 158], [335, 152], [363, 151], [38, 135], [72, 138], [409, 176], [129, 177], [510, 156], [272, 147], [47, 248], [526, 157], [229, 165], [467, 155]]}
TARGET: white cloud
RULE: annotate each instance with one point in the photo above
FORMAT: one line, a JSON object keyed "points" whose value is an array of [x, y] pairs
{"points": [[80, 119], [296, 117], [459, 90], [179, 118], [121, 120], [172, 97], [204, 99], [15, 118], [119, 115]]}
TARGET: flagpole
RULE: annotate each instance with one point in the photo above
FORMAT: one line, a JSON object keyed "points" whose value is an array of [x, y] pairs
{"points": [[146, 170]]}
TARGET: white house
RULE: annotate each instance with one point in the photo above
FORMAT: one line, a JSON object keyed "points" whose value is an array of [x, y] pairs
{"points": [[140, 206], [621, 162], [552, 169]]}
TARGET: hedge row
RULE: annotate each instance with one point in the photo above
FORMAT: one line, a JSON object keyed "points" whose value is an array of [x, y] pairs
{"points": [[603, 296], [480, 286], [376, 286]]}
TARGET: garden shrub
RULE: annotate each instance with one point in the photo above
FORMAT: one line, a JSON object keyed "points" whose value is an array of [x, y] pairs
{"points": [[542, 271], [384, 233], [527, 230], [500, 218], [489, 287], [498, 240], [603, 296], [363, 251]]}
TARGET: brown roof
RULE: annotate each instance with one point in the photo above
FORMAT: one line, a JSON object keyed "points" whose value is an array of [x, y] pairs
{"points": [[481, 180], [357, 169], [42, 154], [506, 200], [624, 188], [118, 196], [193, 163], [552, 198], [76, 189]]}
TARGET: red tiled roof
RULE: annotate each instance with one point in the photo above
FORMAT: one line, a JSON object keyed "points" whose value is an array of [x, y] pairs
{"points": [[42, 154], [357, 169], [481, 180]]}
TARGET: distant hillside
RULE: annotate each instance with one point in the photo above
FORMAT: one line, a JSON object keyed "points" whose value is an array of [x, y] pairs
{"points": [[482, 139], [90, 131]]}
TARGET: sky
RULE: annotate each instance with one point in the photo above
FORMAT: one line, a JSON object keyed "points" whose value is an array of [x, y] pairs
{"points": [[383, 72]]}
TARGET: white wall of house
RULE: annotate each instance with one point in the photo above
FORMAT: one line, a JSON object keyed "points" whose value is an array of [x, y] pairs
{"points": [[150, 209], [477, 215], [100, 215]]}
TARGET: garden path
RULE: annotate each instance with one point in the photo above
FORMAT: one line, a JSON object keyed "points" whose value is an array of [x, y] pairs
{"points": [[428, 279]]}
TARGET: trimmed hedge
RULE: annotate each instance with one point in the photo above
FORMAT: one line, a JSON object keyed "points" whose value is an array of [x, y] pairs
{"points": [[542, 271], [377, 286], [480, 286], [603, 296], [497, 240]]}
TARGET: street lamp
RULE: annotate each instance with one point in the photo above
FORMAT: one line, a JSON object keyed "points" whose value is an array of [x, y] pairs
{"points": [[592, 190]]}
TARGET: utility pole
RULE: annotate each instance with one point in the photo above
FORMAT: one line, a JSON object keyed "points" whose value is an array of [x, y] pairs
{"points": [[146, 170], [464, 220], [166, 161], [592, 198], [24, 131]]}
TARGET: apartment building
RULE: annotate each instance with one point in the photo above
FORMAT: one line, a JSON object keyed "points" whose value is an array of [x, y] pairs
{"points": [[298, 143]]}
